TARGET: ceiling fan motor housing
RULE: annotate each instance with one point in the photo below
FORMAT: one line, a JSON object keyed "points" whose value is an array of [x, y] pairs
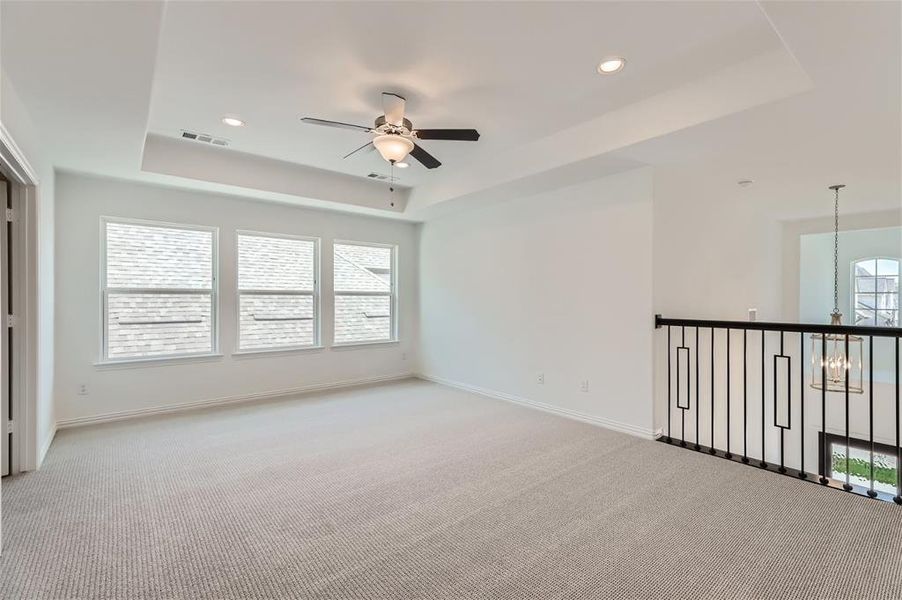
{"points": [[406, 124]]}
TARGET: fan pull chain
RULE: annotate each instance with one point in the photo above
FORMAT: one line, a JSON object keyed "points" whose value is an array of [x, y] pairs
{"points": [[391, 186]]}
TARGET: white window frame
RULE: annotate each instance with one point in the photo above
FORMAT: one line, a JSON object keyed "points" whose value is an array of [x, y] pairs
{"points": [[392, 293], [105, 291], [854, 293], [317, 308]]}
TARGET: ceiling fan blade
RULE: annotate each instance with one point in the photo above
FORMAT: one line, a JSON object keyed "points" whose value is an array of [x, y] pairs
{"points": [[463, 135], [393, 108], [429, 161], [313, 121], [368, 147]]}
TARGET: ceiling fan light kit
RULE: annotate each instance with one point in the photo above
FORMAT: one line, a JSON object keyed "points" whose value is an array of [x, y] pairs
{"points": [[393, 147]]}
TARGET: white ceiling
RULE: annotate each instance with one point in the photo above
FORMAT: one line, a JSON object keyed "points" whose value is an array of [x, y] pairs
{"points": [[792, 95], [514, 71], [847, 129]]}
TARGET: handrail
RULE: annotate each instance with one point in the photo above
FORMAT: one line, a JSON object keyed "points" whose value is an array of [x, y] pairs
{"points": [[777, 326], [760, 414]]}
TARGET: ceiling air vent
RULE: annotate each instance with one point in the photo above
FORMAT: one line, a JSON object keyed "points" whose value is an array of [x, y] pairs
{"points": [[203, 137]]}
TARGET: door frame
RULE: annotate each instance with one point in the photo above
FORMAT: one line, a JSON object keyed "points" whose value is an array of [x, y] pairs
{"points": [[24, 181]]}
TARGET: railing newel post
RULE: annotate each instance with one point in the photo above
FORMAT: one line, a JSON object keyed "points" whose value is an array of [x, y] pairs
{"points": [[667, 438]]}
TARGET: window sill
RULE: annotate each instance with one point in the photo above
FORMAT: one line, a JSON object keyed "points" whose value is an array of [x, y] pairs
{"points": [[127, 363], [262, 353], [353, 345]]}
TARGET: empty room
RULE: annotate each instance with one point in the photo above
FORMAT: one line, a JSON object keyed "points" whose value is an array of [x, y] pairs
{"points": [[450, 300]]}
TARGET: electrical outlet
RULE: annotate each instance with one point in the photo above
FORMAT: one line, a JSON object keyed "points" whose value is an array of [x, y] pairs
{"points": [[404, 356], [540, 378], [83, 390], [584, 385]]}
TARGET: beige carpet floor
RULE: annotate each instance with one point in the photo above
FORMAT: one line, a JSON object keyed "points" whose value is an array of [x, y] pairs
{"points": [[414, 490]]}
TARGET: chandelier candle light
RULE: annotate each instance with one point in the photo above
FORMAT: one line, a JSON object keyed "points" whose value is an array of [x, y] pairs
{"points": [[836, 356]]}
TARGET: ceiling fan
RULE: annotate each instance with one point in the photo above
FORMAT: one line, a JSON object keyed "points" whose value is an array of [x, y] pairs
{"points": [[395, 136]]}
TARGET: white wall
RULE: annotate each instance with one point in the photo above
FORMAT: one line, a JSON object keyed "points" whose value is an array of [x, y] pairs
{"points": [[716, 255], [719, 252], [17, 121], [82, 200], [558, 283], [815, 280], [814, 285]]}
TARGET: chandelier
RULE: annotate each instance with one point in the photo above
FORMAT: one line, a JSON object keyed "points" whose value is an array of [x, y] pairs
{"points": [[834, 357]]}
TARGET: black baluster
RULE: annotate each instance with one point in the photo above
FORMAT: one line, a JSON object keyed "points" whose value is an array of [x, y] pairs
{"points": [[682, 410], [745, 396], [871, 492], [898, 497], [711, 449], [669, 392], [728, 454], [824, 459], [776, 420], [697, 386], [847, 486], [802, 472], [763, 463]]}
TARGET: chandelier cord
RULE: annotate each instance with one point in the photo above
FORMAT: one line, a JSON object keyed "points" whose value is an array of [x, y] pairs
{"points": [[836, 252]]}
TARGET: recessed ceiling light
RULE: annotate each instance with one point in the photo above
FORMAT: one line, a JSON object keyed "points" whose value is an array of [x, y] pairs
{"points": [[233, 121], [401, 165], [610, 65]]}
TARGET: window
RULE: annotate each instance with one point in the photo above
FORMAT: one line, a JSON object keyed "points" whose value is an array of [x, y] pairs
{"points": [[875, 292], [365, 293], [833, 453], [278, 293], [158, 290]]}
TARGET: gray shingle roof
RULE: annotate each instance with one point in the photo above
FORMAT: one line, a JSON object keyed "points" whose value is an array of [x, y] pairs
{"points": [[144, 256], [362, 319], [158, 324], [276, 321], [362, 269], [270, 263]]}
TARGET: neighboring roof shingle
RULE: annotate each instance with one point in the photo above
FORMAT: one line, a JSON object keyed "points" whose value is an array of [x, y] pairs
{"points": [[155, 324]]}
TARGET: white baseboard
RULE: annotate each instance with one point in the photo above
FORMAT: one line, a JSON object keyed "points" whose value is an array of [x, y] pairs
{"points": [[642, 432], [42, 452], [185, 406]]}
